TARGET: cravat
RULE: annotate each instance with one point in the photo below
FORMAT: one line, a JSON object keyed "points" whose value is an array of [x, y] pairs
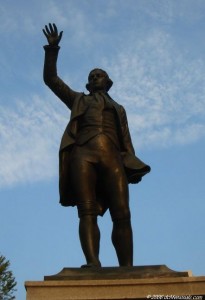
{"points": [[99, 100]]}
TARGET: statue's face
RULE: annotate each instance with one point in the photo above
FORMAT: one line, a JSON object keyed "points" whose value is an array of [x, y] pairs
{"points": [[97, 80]]}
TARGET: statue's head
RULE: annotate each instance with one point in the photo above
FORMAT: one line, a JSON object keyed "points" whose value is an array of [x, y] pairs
{"points": [[98, 80]]}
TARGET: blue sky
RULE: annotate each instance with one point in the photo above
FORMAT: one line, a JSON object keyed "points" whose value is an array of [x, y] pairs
{"points": [[154, 51]]}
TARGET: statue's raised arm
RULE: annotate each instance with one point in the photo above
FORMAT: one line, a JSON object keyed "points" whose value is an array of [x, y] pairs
{"points": [[51, 79]]}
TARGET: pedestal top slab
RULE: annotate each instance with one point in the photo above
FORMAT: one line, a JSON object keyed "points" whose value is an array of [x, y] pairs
{"points": [[157, 271]]}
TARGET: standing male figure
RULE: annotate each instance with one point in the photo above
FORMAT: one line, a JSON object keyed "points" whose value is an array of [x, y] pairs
{"points": [[97, 159]]}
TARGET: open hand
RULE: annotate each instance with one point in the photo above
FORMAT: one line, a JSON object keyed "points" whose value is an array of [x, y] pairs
{"points": [[52, 35]]}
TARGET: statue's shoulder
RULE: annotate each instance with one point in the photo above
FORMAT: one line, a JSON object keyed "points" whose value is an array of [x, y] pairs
{"points": [[80, 95], [114, 102], [118, 106]]}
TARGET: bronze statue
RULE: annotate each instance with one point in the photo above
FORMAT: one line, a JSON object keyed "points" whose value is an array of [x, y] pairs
{"points": [[97, 158]]}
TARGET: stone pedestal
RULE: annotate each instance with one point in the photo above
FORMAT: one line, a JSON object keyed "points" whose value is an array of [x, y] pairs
{"points": [[153, 282]]}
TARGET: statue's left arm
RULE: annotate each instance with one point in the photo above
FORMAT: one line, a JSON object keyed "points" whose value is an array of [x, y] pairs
{"points": [[127, 141], [135, 168]]}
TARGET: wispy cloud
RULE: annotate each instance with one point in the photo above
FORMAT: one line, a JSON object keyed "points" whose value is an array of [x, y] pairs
{"points": [[162, 89], [170, 11], [29, 139], [161, 85]]}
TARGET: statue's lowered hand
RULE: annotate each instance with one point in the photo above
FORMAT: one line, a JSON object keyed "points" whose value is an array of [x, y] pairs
{"points": [[51, 33]]}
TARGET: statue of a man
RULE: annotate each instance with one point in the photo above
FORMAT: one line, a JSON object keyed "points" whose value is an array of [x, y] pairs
{"points": [[97, 158]]}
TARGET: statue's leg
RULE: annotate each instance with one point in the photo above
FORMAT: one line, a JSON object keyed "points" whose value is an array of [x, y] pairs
{"points": [[90, 239], [117, 193], [123, 241], [83, 180]]}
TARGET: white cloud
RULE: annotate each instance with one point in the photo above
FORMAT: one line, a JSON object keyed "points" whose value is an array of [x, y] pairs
{"points": [[169, 11], [29, 141], [163, 93], [33, 16], [162, 89], [161, 85]]}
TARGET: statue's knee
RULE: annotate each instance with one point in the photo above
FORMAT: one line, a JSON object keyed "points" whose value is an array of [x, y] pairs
{"points": [[87, 208], [118, 216]]}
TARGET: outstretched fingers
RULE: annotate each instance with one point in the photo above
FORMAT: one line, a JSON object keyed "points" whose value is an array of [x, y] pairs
{"points": [[55, 28], [51, 28], [51, 33], [46, 31], [60, 35]]}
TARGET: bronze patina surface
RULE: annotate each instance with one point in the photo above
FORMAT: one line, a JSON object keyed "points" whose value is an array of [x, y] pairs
{"points": [[97, 158]]}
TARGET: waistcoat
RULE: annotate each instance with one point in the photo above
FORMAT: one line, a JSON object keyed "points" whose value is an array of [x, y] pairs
{"points": [[99, 118]]}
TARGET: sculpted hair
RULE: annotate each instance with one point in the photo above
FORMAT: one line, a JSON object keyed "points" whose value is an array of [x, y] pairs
{"points": [[109, 81]]}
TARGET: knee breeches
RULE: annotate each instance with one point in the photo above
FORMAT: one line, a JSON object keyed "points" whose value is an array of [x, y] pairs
{"points": [[98, 179]]}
